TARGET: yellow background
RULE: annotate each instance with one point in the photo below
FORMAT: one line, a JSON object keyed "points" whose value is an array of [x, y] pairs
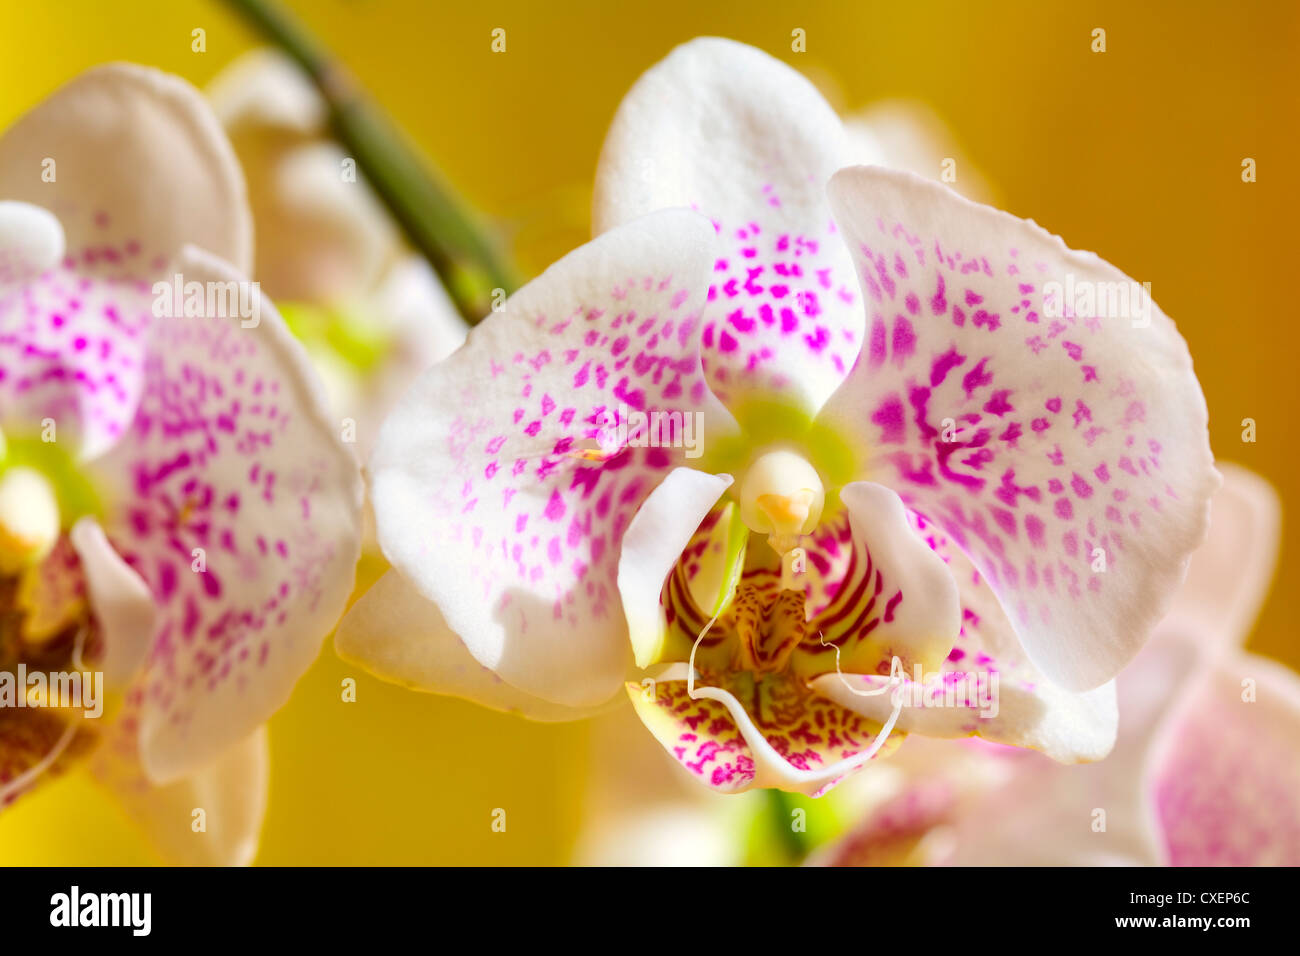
{"points": [[1135, 153]]}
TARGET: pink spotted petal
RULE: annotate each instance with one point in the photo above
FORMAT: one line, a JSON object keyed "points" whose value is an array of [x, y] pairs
{"points": [[1015, 807], [503, 483], [743, 731], [231, 790], [1071, 439], [231, 452], [700, 734], [1047, 812], [960, 698], [655, 540], [141, 167], [1225, 774], [72, 352], [733, 133], [400, 636]]}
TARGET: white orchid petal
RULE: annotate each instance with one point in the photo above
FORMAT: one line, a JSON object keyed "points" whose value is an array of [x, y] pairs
{"points": [[120, 600], [737, 135], [652, 545], [230, 791], [240, 506], [502, 486], [1044, 446], [400, 636], [135, 165]]}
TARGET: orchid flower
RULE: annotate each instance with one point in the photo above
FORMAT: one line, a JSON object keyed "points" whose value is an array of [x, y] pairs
{"points": [[1206, 769], [638, 810], [929, 457], [177, 511], [371, 314]]}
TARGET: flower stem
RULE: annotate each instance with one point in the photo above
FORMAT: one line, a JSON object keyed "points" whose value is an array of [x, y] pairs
{"points": [[467, 259], [793, 843]]}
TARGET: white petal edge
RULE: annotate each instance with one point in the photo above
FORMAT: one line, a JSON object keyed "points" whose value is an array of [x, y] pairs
{"points": [[231, 790], [121, 602], [1083, 728], [400, 636], [714, 122], [652, 545], [266, 88], [1229, 575]]}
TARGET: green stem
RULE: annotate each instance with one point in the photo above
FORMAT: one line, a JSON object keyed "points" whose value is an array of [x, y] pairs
{"points": [[780, 812], [467, 260]]}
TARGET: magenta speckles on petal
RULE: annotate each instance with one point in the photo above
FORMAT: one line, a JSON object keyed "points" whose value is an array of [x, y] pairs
{"points": [[746, 141], [804, 731], [71, 352], [766, 346], [1225, 773], [1021, 709], [1004, 380], [241, 515], [542, 608], [700, 734]]}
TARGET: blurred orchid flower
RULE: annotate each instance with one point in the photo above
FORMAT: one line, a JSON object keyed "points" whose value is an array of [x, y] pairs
{"points": [[1206, 769], [935, 457], [642, 808], [909, 135], [177, 512], [371, 314]]}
